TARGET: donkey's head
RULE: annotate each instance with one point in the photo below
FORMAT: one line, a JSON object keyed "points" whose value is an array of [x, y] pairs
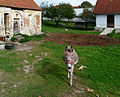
{"points": [[69, 49], [69, 56]]}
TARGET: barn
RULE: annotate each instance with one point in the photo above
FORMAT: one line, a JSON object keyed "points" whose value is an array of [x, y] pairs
{"points": [[19, 16], [107, 14]]}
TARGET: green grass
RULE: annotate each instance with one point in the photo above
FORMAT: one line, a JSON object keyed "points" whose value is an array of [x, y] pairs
{"points": [[114, 35], [49, 78], [103, 69], [50, 26]]}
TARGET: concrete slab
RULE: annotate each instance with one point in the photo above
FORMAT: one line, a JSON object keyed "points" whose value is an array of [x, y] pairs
{"points": [[2, 46], [107, 31]]}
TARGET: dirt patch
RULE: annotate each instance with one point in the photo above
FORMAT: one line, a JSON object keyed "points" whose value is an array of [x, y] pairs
{"points": [[81, 39], [27, 45]]}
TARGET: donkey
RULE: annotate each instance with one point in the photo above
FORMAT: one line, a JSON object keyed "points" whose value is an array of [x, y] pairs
{"points": [[70, 57]]}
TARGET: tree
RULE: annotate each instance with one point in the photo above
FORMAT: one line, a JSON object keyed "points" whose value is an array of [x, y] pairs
{"points": [[44, 6], [67, 11], [57, 13], [87, 15], [52, 13], [86, 4]]}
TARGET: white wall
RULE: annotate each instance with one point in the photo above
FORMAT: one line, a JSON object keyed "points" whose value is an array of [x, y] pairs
{"points": [[117, 21], [101, 21]]}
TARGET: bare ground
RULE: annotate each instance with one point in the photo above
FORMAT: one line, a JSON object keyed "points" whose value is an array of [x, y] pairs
{"points": [[26, 46], [81, 39]]}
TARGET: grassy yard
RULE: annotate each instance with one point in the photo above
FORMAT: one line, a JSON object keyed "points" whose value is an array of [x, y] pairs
{"points": [[50, 26], [47, 73]]}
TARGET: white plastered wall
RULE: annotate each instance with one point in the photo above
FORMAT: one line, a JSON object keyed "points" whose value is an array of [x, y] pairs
{"points": [[117, 21], [101, 21]]}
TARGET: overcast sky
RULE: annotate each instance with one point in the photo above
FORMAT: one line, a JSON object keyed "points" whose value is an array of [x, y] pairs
{"points": [[72, 2]]}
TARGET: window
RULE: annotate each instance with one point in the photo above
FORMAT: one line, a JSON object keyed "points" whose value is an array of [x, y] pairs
{"points": [[6, 19], [16, 15]]}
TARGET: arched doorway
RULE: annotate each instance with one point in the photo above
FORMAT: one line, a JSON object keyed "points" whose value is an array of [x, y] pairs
{"points": [[16, 22]]}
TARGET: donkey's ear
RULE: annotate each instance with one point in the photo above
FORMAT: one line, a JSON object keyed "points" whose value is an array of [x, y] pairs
{"points": [[72, 50], [66, 47], [71, 46]]}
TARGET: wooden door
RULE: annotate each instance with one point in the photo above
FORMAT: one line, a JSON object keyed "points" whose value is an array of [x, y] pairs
{"points": [[6, 22], [110, 21]]}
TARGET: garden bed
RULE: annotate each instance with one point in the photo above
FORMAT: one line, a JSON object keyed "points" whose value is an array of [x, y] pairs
{"points": [[81, 39]]}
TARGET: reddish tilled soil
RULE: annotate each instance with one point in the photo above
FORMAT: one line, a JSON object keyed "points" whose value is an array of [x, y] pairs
{"points": [[81, 39]]}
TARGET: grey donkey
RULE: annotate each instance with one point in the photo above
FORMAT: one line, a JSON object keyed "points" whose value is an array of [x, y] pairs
{"points": [[70, 57]]}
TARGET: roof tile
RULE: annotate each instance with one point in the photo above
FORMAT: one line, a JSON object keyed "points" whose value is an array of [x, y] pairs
{"points": [[107, 7], [24, 4]]}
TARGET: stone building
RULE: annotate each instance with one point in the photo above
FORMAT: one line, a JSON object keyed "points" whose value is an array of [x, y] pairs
{"points": [[19, 16]]}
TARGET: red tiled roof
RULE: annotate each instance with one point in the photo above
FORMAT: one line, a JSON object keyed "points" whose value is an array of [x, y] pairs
{"points": [[24, 4], [57, 6], [107, 6], [76, 7]]}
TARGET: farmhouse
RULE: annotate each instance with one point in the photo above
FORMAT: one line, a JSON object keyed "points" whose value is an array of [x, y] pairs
{"points": [[19, 16], [107, 14]]}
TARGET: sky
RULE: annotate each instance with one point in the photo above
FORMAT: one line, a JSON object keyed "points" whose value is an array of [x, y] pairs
{"points": [[72, 2]]}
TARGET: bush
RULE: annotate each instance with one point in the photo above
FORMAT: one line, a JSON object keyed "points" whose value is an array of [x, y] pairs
{"points": [[26, 39], [13, 39], [25, 36], [38, 37], [42, 35], [114, 35]]}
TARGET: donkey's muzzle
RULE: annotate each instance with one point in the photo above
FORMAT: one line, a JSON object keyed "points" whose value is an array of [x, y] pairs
{"points": [[69, 66]]}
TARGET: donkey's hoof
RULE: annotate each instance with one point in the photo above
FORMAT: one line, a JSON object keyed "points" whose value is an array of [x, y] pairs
{"points": [[71, 85]]}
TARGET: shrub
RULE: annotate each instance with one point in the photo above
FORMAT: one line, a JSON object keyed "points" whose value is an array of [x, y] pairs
{"points": [[38, 37], [13, 39], [28, 38], [42, 35], [114, 35], [25, 40]]}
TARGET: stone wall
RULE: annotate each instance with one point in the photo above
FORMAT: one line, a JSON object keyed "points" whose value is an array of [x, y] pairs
{"points": [[32, 22], [13, 21]]}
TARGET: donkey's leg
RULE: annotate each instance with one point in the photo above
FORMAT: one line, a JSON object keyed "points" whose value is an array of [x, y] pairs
{"points": [[68, 74], [71, 74]]}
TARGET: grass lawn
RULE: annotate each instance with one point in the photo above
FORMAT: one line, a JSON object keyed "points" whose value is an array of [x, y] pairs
{"points": [[50, 26], [47, 76]]}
